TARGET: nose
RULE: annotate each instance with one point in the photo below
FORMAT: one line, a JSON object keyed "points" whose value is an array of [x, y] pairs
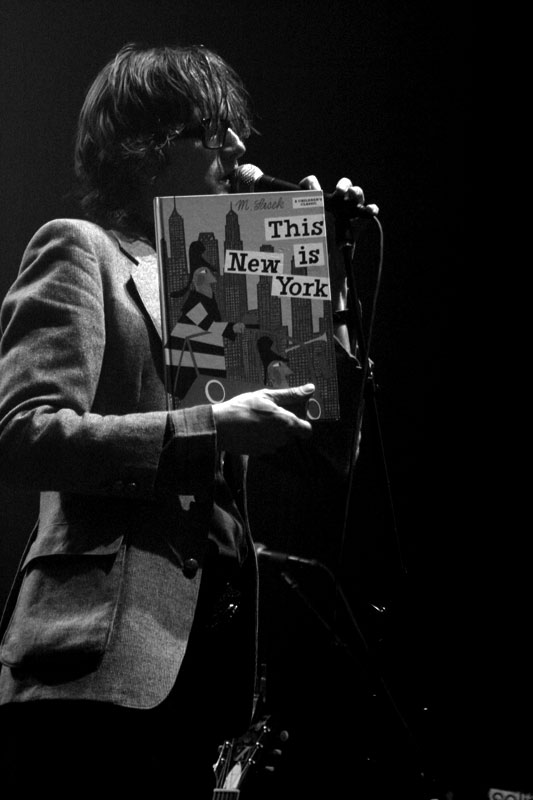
{"points": [[234, 143]]}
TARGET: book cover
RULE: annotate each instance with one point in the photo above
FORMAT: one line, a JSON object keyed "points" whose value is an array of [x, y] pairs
{"points": [[245, 296]]}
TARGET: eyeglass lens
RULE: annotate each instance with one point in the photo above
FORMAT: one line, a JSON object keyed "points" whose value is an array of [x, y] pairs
{"points": [[215, 131]]}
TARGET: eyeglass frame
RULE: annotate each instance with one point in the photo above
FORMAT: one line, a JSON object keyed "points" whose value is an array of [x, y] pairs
{"points": [[219, 136]]}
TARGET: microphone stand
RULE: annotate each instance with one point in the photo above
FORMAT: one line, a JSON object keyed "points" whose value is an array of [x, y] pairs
{"points": [[337, 640], [370, 663], [353, 315], [366, 404]]}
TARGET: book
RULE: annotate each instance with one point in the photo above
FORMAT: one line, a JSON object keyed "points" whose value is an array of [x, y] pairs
{"points": [[245, 297]]}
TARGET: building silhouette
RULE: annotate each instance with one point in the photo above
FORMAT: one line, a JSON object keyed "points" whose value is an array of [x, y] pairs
{"points": [[175, 264]]}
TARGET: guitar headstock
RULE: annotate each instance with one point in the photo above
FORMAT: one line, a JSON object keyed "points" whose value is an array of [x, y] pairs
{"points": [[257, 749]]}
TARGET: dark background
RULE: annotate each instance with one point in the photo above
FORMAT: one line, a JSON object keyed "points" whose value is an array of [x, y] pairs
{"points": [[377, 91]]}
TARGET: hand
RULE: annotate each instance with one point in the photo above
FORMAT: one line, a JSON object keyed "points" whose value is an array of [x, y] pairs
{"points": [[344, 187], [335, 240], [238, 327], [260, 422]]}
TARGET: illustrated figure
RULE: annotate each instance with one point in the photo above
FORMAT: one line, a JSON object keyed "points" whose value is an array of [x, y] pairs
{"points": [[197, 339], [276, 367]]}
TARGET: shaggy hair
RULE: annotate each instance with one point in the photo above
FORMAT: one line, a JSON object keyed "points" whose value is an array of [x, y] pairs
{"points": [[130, 116]]}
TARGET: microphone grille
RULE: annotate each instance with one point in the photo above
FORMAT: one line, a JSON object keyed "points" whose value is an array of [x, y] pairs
{"points": [[246, 175]]}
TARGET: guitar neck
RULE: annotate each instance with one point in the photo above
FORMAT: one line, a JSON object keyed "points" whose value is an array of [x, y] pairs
{"points": [[226, 794]]}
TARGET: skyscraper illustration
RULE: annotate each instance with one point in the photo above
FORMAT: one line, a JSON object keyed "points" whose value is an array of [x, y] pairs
{"points": [[211, 254], [311, 352], [175, 256], [235, 296]]}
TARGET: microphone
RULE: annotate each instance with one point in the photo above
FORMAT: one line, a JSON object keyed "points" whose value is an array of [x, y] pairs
{"points": [[248, 178], [283, 558]]}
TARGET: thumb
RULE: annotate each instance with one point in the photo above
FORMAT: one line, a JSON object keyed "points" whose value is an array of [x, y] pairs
{"points": [[293, 396], [310, 182]]}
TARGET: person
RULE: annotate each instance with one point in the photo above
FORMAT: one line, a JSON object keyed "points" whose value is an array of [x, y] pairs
{"points": [[130, 634]]}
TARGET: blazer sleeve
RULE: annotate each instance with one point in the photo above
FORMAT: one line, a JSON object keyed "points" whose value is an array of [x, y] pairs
{"points": [[56, 323]]}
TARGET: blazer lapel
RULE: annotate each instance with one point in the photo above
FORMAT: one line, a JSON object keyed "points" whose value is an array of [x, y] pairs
{"points": [[144, 277]]}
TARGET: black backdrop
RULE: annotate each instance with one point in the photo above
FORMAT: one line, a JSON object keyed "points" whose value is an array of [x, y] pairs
{"points": [[378, 92]]}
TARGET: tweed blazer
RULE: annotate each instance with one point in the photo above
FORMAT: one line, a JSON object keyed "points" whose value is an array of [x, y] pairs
{"points": [[106, 592]]}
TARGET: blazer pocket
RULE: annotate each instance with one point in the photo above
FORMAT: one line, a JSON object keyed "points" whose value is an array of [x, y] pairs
{"points": [[66, 605]]}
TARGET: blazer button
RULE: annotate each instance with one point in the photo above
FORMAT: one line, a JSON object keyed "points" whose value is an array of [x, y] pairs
{"points": [[190, 567], [131, 488]]}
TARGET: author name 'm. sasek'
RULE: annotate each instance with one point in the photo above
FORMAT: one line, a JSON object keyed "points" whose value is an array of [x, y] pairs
{"points": [[261, 204]]}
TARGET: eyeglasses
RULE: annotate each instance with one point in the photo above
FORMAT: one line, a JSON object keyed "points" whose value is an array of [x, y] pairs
{"points": [[212, 132]]}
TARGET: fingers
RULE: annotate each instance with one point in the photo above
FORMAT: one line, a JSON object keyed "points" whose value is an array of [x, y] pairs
{"points": [[293, 401], [282, 396], [296, 395], [311, 182], [291, 423], [291, 426], [344, 186], [262, 421]]}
